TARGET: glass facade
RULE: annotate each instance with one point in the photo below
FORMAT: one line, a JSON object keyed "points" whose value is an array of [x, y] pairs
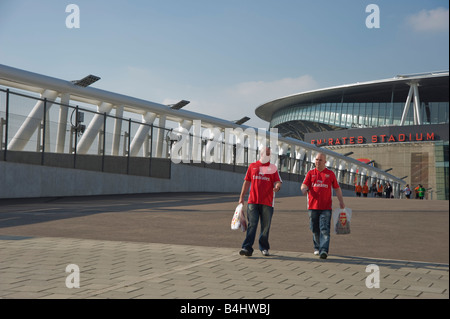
{"points": [[442, 168], [348, 115], [371, 106]]}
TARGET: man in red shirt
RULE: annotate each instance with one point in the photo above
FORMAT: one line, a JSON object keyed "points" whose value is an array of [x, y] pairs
{"points": [[365, 190], [317, 184], [358, 189], [264, 181]]}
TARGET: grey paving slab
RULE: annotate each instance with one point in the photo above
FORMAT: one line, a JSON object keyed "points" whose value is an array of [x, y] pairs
{"points": [[215, 273], [180, 246]]}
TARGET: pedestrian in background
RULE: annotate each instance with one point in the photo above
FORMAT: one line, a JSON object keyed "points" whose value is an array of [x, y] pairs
{"points": [[388, 189], [365, 190], [380, 190], [421, 191], [358, 190], [374, 190], [407, 191]]}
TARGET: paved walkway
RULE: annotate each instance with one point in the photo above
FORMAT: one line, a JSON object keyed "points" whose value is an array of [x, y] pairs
{"points": [[36, 268], [115, 258]]}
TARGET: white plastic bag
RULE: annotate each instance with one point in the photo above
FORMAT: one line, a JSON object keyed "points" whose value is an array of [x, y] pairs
{"points": [[238, 221], [341, 220]]}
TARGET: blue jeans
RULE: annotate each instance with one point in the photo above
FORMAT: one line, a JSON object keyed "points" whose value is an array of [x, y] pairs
{"points": [[254, 213], [319, 223]]}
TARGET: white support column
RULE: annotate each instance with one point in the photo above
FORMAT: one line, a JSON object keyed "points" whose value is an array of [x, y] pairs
{"points": [[92, 130], [47, 130], [295, 153], [363, 176], [395, 189], [341, 167], [261, 139], [274, 154], [139, 139], [229, 145], [222, 147], [197, 142], [355, 178], [252, 144], [213, 148], [418, 116], [292, 159], [360, 175], [117, 131], [180, 144], [336, 167], [282, 151], [240, 145], [62, 123], [161, 135], [407, 105], [300, 156], [32, 122], [413, 93], [373, 178], [330, 162], [309, 161], [283, 147], [351, 176]]}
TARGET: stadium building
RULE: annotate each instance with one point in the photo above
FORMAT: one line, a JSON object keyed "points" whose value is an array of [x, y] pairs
{"points": [[400, 125]]}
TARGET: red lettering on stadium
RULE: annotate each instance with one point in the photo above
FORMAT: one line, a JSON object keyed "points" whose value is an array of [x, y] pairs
{"points": [[382, 138]]}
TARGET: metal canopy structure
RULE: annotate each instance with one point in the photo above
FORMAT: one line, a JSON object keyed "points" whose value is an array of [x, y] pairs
{"points": [[405, 86], [51, 89]]}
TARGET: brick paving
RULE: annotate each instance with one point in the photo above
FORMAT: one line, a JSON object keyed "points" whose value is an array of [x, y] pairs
{"points": [[180, 246]]}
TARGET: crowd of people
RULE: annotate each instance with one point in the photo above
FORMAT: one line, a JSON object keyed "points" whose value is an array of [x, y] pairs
{"points": [[385, 191], [419, 192], [377, 190]]}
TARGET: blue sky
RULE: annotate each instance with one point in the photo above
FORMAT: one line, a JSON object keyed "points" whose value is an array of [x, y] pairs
{"points": [[226, 57]]}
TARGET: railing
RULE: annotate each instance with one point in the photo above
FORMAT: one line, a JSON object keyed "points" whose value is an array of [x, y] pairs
{"points": [[97, 140], [60, 128]]}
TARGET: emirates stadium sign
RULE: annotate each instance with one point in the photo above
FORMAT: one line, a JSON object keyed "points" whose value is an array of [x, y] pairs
{"points": [[394, 134]]}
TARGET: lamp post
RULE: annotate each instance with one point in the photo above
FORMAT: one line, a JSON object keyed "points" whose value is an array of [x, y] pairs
{"points": [[242, 120], [349, 153], [86, 81], [179, 105]]}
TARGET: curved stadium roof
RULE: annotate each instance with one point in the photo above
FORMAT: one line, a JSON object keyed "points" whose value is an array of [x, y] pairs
{"points": [[433, 86]]}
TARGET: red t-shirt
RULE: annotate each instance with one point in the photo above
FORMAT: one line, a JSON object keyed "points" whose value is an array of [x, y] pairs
{"points": [[263, 178], [319, 186]]}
